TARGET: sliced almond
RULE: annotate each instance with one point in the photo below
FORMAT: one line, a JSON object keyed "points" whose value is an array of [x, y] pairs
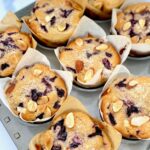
{"points": [[88, 75], [21, 109], [79, 42], [48, 18], [47, 112], [126, 123], [69, 120], [61, 27], [117, 106], [32, 106], [133, 83], [79, 65], [37, 72], [142, 23], [126, 26], [42, 100], [138, 121], [102, 47], [147, 41]]}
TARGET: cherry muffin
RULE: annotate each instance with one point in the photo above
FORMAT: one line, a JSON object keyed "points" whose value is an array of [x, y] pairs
{"points": [[125, 105], [36, 92], [73, 130], [100, 9], [92, 62], [133, 22], [53, 21], [13, 45]]}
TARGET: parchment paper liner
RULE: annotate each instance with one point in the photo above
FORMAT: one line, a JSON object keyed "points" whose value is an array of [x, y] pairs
{"points": [[87, 26], [11, 20], [31, 57], [45, 42], [73, 104], [140, 48], [119, 71]]}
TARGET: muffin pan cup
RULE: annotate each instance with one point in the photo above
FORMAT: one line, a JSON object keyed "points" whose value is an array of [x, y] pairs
{"points": [[119, 71], [87, 26], [31, 57], [69, 107], [142, 50]]}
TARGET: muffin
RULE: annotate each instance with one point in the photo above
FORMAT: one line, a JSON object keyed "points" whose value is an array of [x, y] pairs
{"points": [[72, 130], [100, 9], [92, 62], [13, 45], [125, 105], [36, 93], [53, 21], [133, 22]]}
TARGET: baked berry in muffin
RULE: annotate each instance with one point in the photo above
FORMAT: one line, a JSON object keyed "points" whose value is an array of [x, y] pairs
{"points": [[36, 92], [90, 59], [73, 130], [53, 21], [134, 22], [125, 105], [100, 9], [13, 44]]}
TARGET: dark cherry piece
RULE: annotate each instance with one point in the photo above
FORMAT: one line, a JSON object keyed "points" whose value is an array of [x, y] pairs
{"points": [[40, 116], [20, 105], [35, 94], [49, 11], [108, 54], [53, 20], [56, 105], [56, 147], [121, 83], [4, 66], [106, 63], [112, 119], [98, 131], [65, 13], [60, 92], [43, 27], [76, 141]]}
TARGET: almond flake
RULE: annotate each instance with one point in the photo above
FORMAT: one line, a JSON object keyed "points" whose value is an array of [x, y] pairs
{"points": [[126, 26], [102, 47], [88, 75], [32, 106], [138, 121], [69, 120], [117, 106]]}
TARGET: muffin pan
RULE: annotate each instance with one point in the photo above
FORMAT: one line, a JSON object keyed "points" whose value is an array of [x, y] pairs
{"points": [[21, 133]]}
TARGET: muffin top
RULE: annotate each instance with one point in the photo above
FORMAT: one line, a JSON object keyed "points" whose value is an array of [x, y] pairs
{"points": [[100, 9], [134, 22], [90, 55], [36, 92], [73, 130], [53, 21], [125, 105], [13, 44]]}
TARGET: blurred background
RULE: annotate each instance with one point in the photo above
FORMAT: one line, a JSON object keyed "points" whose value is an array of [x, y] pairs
{"points": [[13, 5]]}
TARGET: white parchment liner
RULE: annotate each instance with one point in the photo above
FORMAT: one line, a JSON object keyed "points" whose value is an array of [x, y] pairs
{"points": [[31, 57], [87, 26], [140, 48], [119, 71], [73, 104], [11, 20]]}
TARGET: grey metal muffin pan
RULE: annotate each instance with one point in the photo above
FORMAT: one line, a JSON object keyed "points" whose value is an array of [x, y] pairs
{"points": [[22, 133]]}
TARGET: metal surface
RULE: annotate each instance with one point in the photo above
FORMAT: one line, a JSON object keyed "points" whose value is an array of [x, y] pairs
{"points": [[21, 133]]}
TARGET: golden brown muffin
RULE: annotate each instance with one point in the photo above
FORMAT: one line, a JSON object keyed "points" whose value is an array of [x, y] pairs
{"points": [[133, 22], [53, 21], [102, 9], [36, 92], [87, 56], [73, 130], [13, 45], [125, 105]]}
